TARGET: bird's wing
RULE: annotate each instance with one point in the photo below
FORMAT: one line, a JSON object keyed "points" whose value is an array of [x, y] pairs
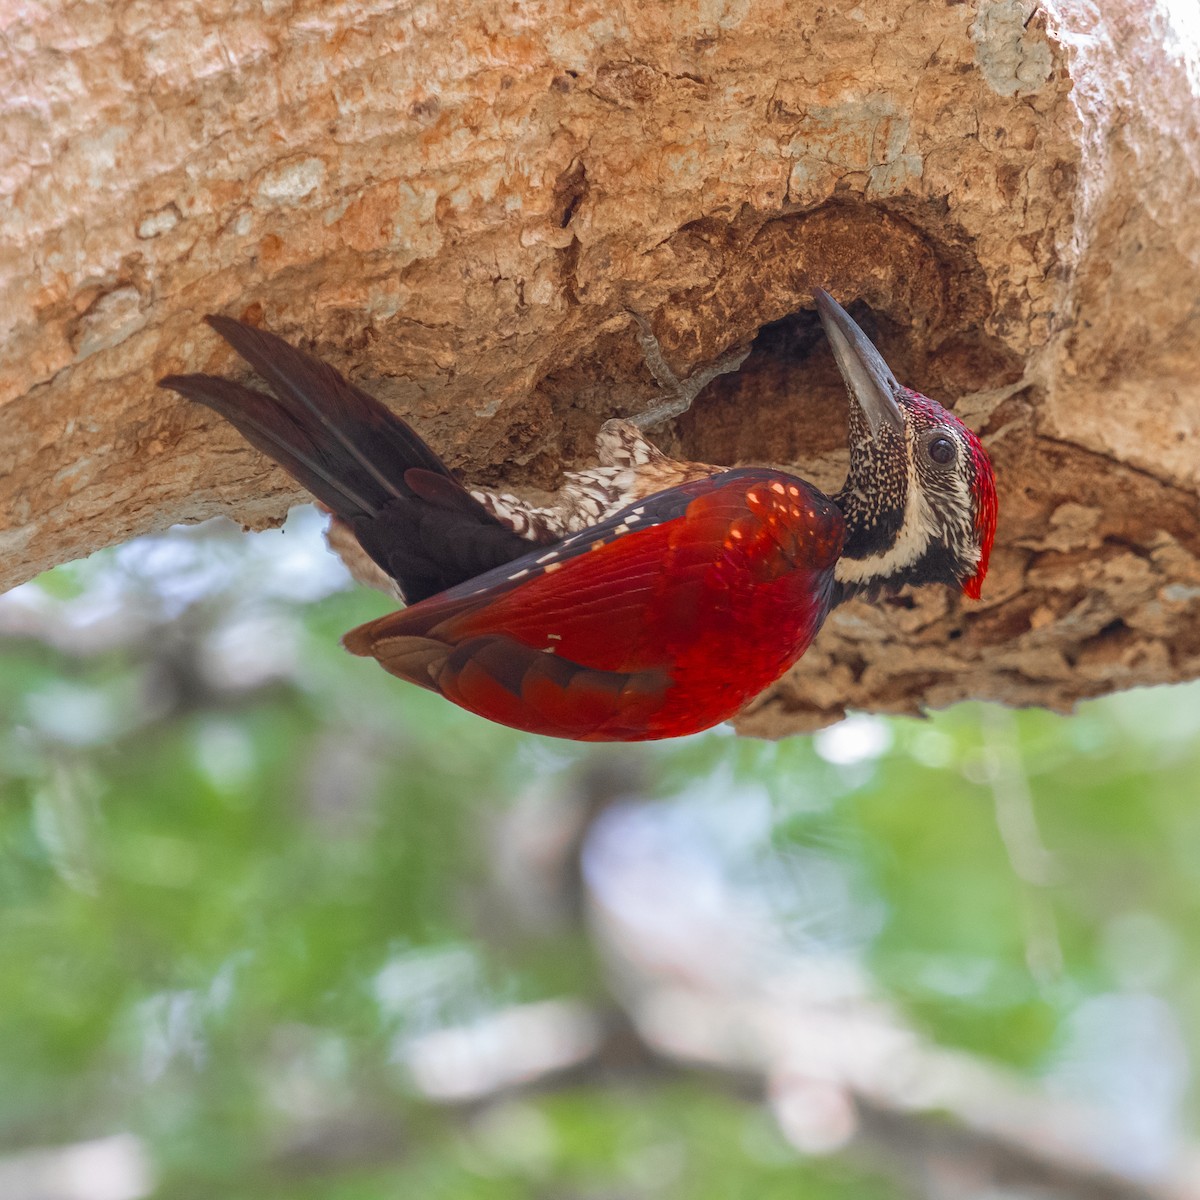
{"points": [[580, 640]]}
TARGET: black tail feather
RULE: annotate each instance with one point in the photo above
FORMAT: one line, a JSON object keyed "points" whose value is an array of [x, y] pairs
{"points": [[349, 450], [269, 427], [305, 383], [360, 460]]}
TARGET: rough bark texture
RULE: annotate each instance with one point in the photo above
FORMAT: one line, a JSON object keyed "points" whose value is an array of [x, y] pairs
{"points": [[456, 203]]}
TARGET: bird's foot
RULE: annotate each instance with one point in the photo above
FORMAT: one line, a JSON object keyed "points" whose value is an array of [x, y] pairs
{"points": [[679, 393]]}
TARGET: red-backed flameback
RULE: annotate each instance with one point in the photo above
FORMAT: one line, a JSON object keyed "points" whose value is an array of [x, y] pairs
{"points": [[656, 597]]}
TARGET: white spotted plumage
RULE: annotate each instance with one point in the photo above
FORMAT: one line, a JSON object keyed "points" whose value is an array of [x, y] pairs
{"points": [[630, 468]]}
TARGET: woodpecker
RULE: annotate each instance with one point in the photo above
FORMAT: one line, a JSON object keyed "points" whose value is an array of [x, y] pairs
{"points": [[656, 597]]}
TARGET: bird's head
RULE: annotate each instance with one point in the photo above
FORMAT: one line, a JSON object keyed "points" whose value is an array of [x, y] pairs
{"points": [[920, 497]]}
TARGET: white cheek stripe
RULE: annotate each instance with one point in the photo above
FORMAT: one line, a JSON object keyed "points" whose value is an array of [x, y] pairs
{"points": [[916, 531]]}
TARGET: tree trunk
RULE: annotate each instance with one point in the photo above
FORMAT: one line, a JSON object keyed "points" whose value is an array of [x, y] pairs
{"points": [[456, 203]]}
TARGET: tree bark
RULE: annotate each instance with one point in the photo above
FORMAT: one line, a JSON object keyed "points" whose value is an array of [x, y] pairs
{"points": [[455, 204]]}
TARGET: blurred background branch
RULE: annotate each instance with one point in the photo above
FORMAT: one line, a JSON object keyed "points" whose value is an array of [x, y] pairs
{"points": [[272, 924]]}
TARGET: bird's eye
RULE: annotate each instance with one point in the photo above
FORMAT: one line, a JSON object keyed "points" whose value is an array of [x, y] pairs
{"points": [[942, 451]]}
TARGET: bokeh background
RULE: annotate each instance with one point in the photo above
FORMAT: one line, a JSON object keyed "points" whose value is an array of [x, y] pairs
{"points": [[273, 924]]}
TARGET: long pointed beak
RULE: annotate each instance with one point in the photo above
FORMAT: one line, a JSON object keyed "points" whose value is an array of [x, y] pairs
{"points": [[868, 378]]}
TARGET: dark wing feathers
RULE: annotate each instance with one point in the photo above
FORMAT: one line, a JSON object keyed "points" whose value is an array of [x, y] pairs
{"points": [[522, 687], [360, 460], [436, 488], [428, 548]]}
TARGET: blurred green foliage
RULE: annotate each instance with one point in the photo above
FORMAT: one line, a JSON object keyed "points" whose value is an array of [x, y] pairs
{"points": [[231, 889]]}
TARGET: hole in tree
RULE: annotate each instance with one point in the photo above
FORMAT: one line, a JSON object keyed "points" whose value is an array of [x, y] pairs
{"points": [[787, 403]]}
